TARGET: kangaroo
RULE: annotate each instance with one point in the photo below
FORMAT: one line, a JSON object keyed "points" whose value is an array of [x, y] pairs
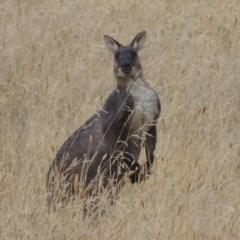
{"points": [[108, 145]]}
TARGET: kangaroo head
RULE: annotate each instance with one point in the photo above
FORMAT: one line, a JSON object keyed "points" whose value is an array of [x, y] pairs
{"points": [[126, 60]]}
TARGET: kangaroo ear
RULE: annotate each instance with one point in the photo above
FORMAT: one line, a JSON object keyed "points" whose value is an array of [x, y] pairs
{"points": [[139, 40], [111, 44]]}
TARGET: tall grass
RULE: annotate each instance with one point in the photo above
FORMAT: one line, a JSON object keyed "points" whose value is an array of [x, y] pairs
{"points": [[55, 73]]}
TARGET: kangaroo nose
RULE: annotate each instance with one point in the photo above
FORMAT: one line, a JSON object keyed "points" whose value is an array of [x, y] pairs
{"points": [[126, 65]]}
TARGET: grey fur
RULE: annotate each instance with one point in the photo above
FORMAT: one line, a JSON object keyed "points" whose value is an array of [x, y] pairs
{"points": [[108, 145]]}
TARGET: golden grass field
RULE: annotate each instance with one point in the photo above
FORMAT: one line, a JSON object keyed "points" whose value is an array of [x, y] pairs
{"points": [[55, 72]]}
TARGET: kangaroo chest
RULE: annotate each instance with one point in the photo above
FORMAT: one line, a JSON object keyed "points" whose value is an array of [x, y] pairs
{"points": [[145, 106]]}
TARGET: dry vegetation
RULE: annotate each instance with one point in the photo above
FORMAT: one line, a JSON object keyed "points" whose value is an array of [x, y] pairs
{"points": [[55, 73]]}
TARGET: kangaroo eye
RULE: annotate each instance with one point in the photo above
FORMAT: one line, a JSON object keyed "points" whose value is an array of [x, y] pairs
{"points": [[117, 55], [134, 54]]}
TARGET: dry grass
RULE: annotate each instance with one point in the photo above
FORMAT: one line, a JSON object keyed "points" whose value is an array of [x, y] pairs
{"points": [[55, 73]]}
